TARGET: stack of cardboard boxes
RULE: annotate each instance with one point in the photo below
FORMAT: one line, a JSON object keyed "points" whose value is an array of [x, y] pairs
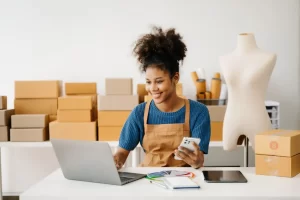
{"points": [[84, 89], [5, 119], [29, 128], [36, 103], [144, 96], [277, 153], [115, 107], [76, 115]]}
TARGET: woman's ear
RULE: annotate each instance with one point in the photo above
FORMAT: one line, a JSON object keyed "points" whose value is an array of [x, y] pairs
{"points": [[176, 78]]}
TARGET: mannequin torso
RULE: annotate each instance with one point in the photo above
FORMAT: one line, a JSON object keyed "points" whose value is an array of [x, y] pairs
{"points": [[247, 71]]}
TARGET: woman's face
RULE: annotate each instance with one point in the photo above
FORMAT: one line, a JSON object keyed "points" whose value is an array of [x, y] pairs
{"points": [[159, 84]]}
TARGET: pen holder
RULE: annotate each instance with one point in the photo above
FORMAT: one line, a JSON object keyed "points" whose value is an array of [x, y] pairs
{"points": [[201, 86]]}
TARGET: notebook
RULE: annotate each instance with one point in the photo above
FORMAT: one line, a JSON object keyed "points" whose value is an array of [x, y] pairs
{"points": [[180, 183]]}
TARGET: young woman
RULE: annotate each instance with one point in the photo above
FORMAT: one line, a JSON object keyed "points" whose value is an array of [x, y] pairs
{"points": [[160, 124]]}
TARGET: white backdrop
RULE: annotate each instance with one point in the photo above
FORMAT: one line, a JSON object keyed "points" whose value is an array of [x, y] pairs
{"points": [[88, 40]]}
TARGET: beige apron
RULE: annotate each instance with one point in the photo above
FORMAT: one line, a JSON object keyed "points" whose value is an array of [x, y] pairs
{"points": [[161, 140]]}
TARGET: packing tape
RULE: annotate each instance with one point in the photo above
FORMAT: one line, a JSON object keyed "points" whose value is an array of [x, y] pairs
{"points": [[1, 102]]}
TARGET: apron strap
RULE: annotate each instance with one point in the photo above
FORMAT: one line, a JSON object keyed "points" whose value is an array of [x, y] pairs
{"points": [[146, 113], [187, 115]]}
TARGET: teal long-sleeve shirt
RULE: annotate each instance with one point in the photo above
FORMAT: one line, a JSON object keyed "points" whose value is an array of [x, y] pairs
{"points": [[133, 130]]}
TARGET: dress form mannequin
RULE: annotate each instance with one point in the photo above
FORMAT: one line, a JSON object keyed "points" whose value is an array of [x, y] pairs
{"points": [[247, 71]]}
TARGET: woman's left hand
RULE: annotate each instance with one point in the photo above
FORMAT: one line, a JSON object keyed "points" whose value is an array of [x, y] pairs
{"points": [[193, 158]]}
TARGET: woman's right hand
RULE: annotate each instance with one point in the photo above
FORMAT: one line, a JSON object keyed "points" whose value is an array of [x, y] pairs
{"points": [[120, 157], [118, 163]]}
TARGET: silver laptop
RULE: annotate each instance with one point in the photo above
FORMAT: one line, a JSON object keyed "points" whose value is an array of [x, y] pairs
{"points": [[90, 161]]}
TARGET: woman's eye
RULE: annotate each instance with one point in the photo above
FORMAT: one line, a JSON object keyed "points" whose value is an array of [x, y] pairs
{"points": [[159, 81], [147, 83]]}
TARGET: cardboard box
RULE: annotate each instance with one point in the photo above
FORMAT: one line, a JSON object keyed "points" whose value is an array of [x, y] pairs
{"points": [[94, 103], [36, 106], [112, 118], [278, 142], [217, 113], [179, 90], [216, 131], [29, 135], [118, 86], [4, 133], [52, 118], [277, 165], [3, 102], [75, 103], [29, 121], [74, 116], [117, 102], [37, 89], [107, 133], [80, 88], [73, 130], [5, 117], [141, 92]]}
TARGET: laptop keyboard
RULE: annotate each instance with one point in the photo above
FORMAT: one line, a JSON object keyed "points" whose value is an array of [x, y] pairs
{"points": [[125, 179]]}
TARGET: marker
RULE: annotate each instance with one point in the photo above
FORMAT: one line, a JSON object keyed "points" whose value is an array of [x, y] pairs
{"points": [[159, 184]]}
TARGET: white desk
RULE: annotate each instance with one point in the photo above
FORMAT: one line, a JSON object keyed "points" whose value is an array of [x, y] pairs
{"points": [[133, 160], [56, 187]]}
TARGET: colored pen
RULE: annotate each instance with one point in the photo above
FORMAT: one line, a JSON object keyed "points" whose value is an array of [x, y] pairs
{"points": [[159, 184]]}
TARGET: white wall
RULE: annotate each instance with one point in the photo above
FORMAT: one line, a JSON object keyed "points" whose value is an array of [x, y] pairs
{"points": [[86, 40]]}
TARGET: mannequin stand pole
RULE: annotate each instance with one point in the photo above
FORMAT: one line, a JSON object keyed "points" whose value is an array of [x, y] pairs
{"points": [[246, 152]]}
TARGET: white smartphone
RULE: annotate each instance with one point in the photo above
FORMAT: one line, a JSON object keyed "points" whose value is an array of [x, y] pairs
{"points": [[187, 142]]}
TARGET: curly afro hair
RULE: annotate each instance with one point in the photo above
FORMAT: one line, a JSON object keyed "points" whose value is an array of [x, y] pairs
{"points": [[164, 49]]}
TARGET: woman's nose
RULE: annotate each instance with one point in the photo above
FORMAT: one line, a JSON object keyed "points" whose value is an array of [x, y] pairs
{"points": [[153, 87]]}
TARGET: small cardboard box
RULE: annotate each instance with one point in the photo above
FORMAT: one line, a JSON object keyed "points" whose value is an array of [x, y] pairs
{"points": [[117, 102], [5, 117], [278, 142], [118, 86], [216, 131], [107, 133], [216, 113], [179, 90], [80, 88], [37, 89], [29, 121], [3, 102], [74, 115], [52, 118], [277, 165], [141, 91], [73, 130], [29, 135], [112, 118], [75, 103], [4, 133], [36, 106]]}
